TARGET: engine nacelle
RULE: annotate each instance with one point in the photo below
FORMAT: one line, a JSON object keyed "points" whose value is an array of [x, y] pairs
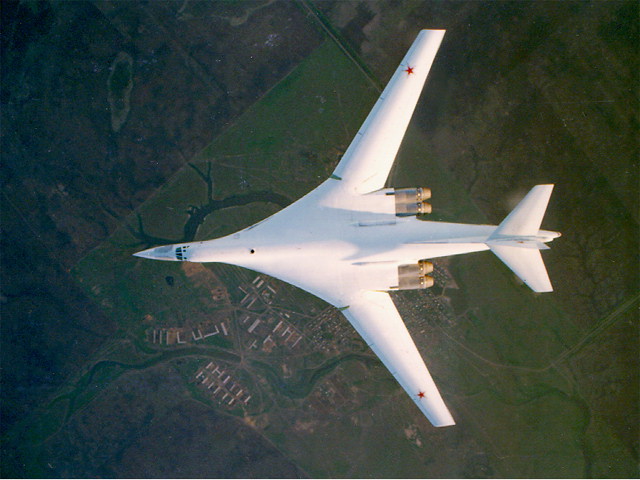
{"points": [[411, 201], [415, 276]]}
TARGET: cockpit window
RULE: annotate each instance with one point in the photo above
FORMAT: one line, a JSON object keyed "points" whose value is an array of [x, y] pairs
{"points": [[181, 253]]}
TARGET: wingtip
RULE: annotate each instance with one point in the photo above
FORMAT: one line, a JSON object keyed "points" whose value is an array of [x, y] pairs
{"points": [[433, 32], [444, 420], [437, 412], [541, 290], [446, 424]]}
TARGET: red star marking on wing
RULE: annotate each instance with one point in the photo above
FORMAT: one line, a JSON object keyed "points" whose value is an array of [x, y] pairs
{"points": [[421, 394], [409, 70]]}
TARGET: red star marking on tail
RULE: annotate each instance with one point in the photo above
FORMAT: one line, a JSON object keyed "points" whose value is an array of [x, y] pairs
{"points": [[421, 394], [409, 70]]}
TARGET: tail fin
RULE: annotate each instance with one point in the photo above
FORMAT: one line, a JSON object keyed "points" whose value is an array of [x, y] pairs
{"points": [[526, 218], [517, 239]]}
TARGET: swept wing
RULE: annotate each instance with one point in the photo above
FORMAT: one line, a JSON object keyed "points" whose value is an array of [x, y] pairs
{"points": [[375, 318], [366, 164]]}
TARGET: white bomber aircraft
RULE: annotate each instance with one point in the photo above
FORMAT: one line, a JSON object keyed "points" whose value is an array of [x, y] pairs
{"points": [[351, 240]]}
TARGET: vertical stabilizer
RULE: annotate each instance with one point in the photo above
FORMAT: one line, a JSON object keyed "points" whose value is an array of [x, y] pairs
{"points": [[526, 218]]}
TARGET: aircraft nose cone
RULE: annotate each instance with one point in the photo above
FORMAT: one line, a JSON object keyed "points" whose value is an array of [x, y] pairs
{"points": [[166, 252]]}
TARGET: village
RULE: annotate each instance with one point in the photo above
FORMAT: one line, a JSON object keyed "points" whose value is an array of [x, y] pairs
{"points": [[329, 331], [255, 319], [252, 323], [187, 335], [265, 327], [223, 388]]}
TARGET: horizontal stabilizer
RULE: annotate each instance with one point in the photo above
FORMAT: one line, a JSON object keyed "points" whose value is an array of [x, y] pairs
{"points": [[527, 264], [536, 245]]}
